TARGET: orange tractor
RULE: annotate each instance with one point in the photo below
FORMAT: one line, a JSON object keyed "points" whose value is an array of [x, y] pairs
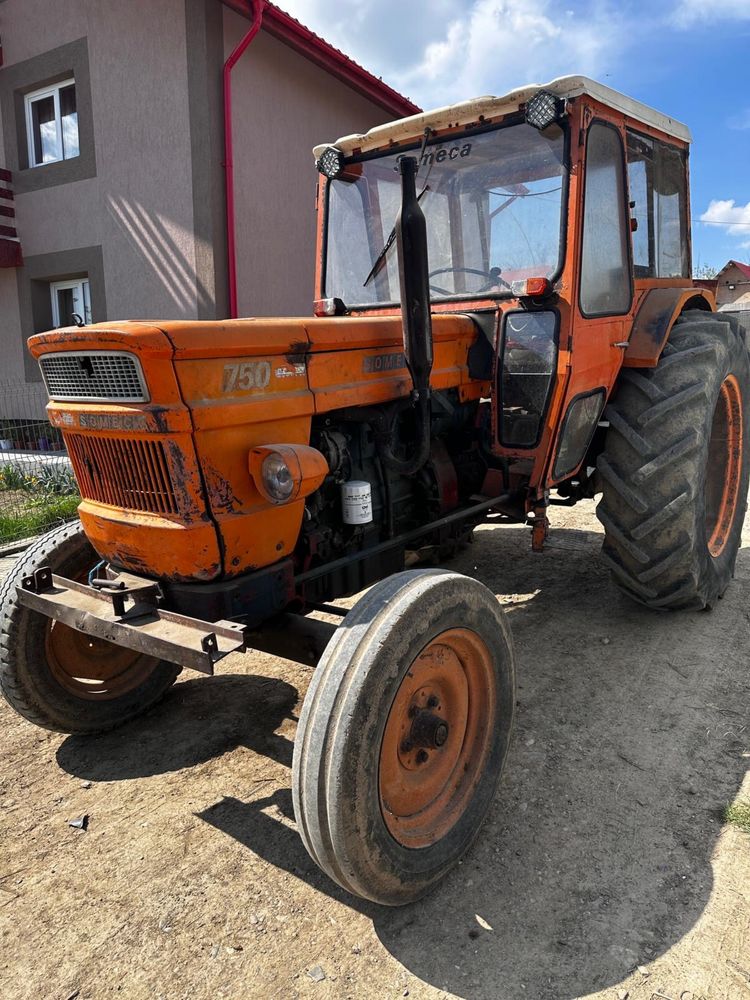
{"points": [[505, 319]]}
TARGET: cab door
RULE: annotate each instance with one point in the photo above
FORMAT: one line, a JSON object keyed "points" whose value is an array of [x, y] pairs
{"points": [[603, 310]]}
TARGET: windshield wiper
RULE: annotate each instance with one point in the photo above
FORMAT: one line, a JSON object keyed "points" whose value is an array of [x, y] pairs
{"points": [[377, 267]]}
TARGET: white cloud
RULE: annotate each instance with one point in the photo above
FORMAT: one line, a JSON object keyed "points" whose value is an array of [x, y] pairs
{"points": [[441, 51], [734, 219], [689, 12], [501, 44]]}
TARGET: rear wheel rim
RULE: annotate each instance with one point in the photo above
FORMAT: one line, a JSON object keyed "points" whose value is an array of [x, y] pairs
{"points": [[724, 467], [437, 738]]}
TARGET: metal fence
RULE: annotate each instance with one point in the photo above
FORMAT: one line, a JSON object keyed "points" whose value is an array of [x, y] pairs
{"points": [[743, 315], [37, 488]]}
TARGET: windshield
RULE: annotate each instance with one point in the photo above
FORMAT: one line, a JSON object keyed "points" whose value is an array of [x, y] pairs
{"points": [[493, 205]]}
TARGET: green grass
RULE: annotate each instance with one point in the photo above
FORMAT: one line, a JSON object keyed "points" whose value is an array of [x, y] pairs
{"points": [[738, 814], [37, 518]]}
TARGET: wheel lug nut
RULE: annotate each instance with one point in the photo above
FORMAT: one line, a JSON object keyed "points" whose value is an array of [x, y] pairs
{"points": [[432, 701], [406, 747], [422, 757], [441, 734]]}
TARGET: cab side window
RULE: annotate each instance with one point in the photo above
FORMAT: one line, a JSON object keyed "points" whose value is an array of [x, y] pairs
{"points": [[606, 288], [658, 199]]}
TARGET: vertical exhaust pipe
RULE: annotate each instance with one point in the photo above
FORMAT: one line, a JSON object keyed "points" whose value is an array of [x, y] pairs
{"points": [[414, 285], [414, 281]]}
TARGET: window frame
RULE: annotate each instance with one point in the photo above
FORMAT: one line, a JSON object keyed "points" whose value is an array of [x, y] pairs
{"points": [[417, 144], [83, 283], [500, 370], [650, 272], [53, 91], [626, 219]]}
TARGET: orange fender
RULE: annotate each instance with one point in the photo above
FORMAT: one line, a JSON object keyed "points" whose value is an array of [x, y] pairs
{"points": [[658, 310]]}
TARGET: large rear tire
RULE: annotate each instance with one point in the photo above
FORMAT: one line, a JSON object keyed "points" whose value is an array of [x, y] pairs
{"points": [[59, 678], [403, 734], [675, 467]]}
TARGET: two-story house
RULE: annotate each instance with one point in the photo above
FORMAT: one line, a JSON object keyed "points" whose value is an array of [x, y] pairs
{"points": [[121, 122]]}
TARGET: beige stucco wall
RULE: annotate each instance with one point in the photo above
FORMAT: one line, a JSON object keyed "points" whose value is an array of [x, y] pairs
{"points": [[283, 105], [138, 207], [733, 298]]}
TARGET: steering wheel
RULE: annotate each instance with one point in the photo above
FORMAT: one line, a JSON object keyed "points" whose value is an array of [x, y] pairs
{"points": [[493, 278]]}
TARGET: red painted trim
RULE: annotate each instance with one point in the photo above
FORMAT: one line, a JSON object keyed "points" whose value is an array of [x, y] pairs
{"points": [[6, 175], [290, 31], [10, 254], [8, 231], [255, 7], [10, 212], [7, 194]]}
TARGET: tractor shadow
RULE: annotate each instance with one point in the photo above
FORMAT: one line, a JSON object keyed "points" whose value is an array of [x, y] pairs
{"points": [[197, 721], [596, 856]]}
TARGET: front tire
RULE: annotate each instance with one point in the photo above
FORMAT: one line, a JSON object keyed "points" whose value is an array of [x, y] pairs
{"points": [[61, 679], [675, 467], [403, 734]]}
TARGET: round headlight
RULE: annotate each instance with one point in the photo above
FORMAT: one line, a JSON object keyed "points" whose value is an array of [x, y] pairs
{"points": [[278, 480]]}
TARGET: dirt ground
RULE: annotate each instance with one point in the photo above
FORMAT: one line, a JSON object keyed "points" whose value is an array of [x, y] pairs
{"points": [[604, 869]]}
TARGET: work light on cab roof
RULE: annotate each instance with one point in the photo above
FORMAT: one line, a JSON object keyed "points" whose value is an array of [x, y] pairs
{"points": [[330, 162], [543, 109]]}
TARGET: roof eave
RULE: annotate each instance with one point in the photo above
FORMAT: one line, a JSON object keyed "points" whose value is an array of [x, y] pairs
{"points": [[293, 33]]}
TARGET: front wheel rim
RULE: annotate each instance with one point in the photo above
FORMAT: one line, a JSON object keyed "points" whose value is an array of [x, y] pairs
{"points": [[724, 467], [437, 738], [91, 668]]}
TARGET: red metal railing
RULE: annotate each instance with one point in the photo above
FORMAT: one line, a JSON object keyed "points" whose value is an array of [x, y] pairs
{"points": [[10, 246]]}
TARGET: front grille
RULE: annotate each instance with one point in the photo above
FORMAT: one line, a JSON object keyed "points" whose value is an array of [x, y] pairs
{"points": [[96, 376], [124, 472]]}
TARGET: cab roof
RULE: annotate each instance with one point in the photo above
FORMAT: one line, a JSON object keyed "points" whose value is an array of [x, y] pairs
{"points": [[491, 107]]}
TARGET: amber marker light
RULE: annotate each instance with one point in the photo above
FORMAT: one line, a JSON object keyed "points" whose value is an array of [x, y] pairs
{"points": [[533, 288], [285, 472]]}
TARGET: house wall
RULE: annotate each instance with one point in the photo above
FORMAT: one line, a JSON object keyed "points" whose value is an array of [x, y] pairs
{"points": [[142, 209], [127, 200], [282, 106], [733, 298]]}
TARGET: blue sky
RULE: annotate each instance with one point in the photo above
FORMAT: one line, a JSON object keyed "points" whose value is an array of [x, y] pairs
{"points": [[688, 58]]}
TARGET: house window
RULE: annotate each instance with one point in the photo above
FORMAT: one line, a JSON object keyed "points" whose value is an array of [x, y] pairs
{"points": [[69, 298], [52, 124]]}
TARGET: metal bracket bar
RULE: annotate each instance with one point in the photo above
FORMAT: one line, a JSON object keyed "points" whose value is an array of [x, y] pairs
{"points": [[40, 581], [165, 634], [144, 628]]}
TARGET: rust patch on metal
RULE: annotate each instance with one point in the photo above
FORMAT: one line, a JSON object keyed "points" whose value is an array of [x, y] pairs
{"points": [[221, 497], [298, 351]]}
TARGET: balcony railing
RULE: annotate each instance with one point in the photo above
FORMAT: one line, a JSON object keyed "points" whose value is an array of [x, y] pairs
{"points": [[10, 245]]}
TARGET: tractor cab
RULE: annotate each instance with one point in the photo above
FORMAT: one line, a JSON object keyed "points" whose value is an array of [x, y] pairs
{"points": [[556, 216]]}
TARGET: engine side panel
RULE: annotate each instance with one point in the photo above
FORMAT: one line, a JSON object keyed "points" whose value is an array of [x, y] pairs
{"points": [[261, 394]]}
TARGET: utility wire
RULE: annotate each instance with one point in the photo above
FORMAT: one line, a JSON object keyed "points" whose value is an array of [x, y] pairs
{"points": [[711, 222]]}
